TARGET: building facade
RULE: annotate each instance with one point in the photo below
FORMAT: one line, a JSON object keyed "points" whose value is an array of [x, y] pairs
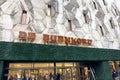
{"points": [[66, 39]]}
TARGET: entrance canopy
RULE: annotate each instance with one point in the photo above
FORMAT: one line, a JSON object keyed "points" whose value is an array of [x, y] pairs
{"points": [[42, 52]]}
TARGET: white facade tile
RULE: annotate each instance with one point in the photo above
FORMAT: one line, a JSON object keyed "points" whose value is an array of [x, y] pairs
{"points": [[61, 13]]}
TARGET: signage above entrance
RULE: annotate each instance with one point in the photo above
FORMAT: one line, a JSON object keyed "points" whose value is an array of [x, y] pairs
{"points": [[47, 38], [66, 40]]}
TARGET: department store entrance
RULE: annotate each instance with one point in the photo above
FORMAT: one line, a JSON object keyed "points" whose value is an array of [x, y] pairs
{"points": [[49, 71]]}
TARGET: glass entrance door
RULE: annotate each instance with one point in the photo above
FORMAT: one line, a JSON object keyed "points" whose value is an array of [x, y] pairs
{"points": [[31, 73], [71, 71], [48, 71], [38, 71], [68, 73]]}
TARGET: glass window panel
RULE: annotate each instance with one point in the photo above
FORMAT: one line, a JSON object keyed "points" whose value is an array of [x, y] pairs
{"points": [[43, 65], [20, 65]]}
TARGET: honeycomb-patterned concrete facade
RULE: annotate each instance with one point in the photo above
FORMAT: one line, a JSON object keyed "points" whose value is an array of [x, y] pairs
{"points": [[98, 20]]}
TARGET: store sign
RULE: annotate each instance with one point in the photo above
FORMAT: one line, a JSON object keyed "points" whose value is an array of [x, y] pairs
{"points": [[30, 36], [23, 36], [66, 40]]}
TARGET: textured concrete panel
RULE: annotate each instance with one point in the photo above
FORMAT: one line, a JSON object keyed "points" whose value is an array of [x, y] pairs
{"points": [[96, 19]]}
